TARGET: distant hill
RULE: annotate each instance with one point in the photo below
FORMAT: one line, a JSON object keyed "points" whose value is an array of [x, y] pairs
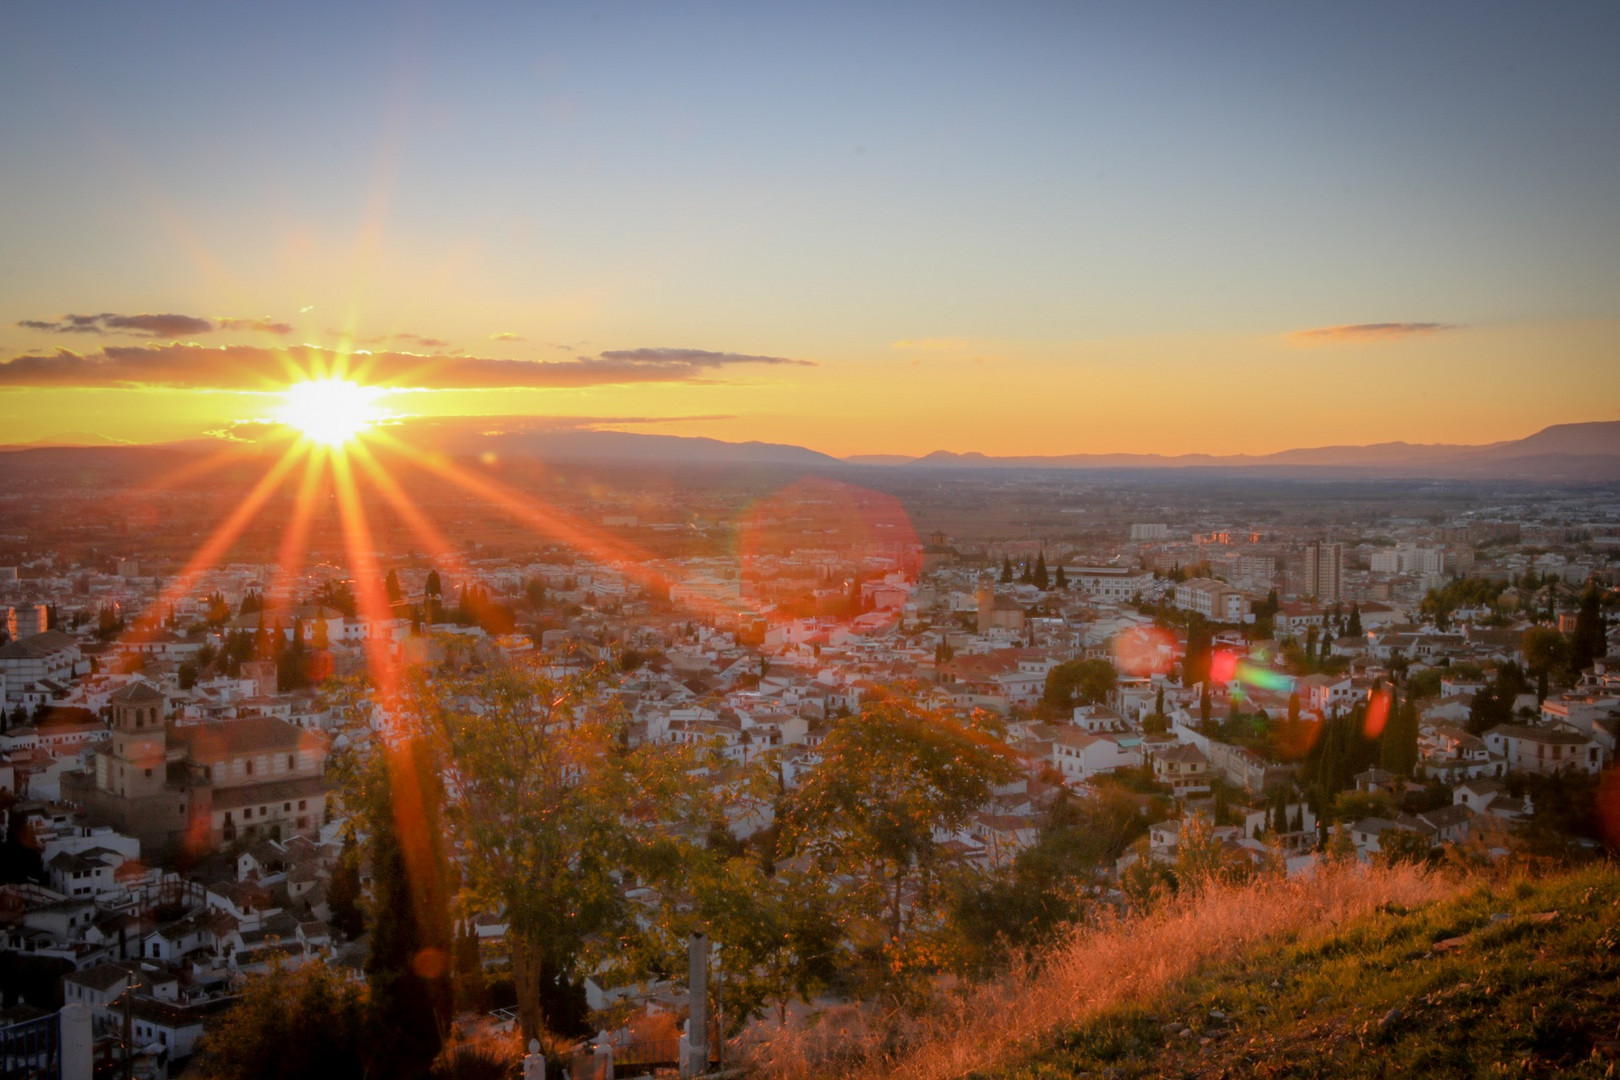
{"points": [[524, 437], [1589, 451], [75, 438], [1564, 452]]}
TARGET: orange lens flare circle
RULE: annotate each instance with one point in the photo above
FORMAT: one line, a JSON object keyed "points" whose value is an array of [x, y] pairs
{"points": [[1144, 650]]}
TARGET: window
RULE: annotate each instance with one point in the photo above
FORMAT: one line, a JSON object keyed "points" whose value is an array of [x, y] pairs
{"points": [[149, 774], [247, 812], [287, 808], [301, 803], [292, 761], [248, 764]]}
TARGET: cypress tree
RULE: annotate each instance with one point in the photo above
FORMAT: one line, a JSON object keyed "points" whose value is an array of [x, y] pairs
{"points": [[1041, 580], [409, 965], [1587, 644]]}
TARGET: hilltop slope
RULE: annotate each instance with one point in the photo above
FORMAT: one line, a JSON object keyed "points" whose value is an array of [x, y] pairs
{"points": [[1351, 973], [1519, 980]]}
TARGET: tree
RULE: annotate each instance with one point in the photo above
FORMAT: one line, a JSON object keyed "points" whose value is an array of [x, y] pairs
{"points": [[1042, 892], [1079, 682], [1398, 745], [1589, 642], [550, 810], [1062, 580], [408, 964], [1545, 651], [433, 587], [1353, 628], [343, 894], [1494, 704], [1397, 846], [892, 779], [339, 596], [778, 932], [288, 1025], [1195, 661], [391, 586], [1039, 576], [1006, 570]]}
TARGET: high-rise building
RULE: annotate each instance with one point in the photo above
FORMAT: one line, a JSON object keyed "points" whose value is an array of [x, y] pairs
{"points": [[1324, 572]]}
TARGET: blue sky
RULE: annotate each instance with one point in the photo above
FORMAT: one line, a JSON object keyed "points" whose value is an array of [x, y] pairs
{"points": [[1019, 182]]}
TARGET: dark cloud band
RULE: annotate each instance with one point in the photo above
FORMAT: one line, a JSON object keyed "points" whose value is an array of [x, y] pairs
{"points": [[249, 367], [1367, 331], [157, 326]]}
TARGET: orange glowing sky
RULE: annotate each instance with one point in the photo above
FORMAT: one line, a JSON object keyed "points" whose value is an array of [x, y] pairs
{"points": [[1040, 231]]}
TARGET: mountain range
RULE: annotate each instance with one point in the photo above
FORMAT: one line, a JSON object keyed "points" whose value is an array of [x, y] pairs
{"points": [[1581, 452]]}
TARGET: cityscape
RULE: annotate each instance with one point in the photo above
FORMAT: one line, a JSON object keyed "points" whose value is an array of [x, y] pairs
{"points": [[1142, 607]]}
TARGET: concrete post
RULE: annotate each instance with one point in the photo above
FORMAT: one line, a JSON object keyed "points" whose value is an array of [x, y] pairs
{"points": [[77, 1042], [602, 1063], [534, 1062], [697, 1059]]}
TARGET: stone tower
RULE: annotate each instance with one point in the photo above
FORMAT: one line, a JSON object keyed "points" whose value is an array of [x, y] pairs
{"points": [[134, 766]]}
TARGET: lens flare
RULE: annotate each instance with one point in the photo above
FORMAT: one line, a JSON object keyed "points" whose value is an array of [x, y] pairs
{"points": [[1144, 650], [330, 411], [1263, 678], [1377, 713]]}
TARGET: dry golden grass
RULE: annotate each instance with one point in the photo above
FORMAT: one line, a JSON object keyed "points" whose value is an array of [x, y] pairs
{"points": [[1119, 961]]}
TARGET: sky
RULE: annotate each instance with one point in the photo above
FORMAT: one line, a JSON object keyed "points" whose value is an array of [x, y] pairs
{"points": [[862, 228]]}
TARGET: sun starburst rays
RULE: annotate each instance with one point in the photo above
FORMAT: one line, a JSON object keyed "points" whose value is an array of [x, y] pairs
{"points": [[330, 411]]}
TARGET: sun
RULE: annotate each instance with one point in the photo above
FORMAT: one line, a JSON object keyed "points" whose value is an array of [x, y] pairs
{"points": [[330, 411]]}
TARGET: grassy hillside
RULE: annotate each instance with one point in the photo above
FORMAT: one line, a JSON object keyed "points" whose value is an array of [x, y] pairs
{"points": [[1110, 965], [1512, 980]]}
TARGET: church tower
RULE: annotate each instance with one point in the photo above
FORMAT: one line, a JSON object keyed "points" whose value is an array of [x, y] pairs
{"points": [[134, 766]]}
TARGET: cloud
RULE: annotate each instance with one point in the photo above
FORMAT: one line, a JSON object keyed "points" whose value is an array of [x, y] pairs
{"points": [[425, 342], [692, 358], [1327, 335], [443, 431], [157, 326], [250, 367], [507, 335], [263, 326]]}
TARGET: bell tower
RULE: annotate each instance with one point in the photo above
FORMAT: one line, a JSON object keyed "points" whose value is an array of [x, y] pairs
{"points": [[134, 766]]}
